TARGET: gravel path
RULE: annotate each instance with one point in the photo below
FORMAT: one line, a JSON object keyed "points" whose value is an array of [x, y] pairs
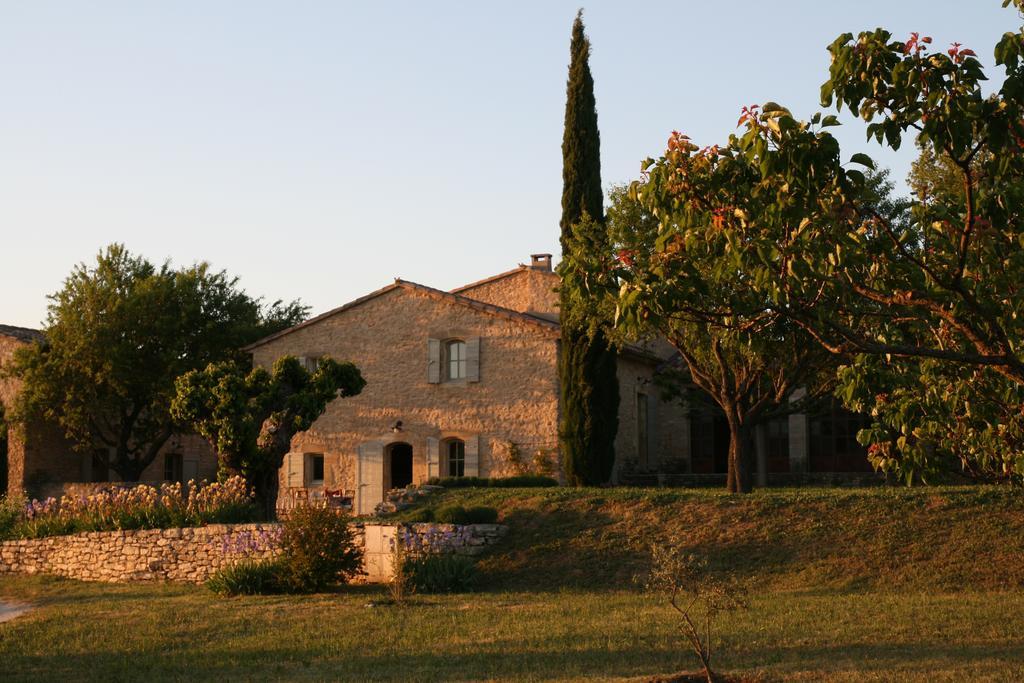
{"points": [[12, 610]]}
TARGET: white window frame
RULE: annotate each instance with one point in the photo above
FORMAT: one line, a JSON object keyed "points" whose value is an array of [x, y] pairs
{"points": [[461, 363], [309, 469]]}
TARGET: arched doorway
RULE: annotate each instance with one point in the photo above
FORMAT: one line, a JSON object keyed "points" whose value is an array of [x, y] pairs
{"points": [[400, 465]]}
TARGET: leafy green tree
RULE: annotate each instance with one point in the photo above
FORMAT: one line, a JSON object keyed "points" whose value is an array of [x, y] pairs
{"points": [[939, 282], [587, 362], [671, 274], [250, 416], [118, 334]]}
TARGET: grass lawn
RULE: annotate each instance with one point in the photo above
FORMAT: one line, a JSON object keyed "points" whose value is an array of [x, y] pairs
{"points": [[919, 585], [160, 632]]}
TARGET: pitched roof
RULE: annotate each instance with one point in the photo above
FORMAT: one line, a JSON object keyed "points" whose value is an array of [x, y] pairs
{"points": [[25, 334], [437, 294], [521, 268]]}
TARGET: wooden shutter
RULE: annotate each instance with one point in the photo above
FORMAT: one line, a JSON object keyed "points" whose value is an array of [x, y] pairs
{"points": [[433, 457], [473, 456], [434, 361], [473, 359], [294, 469], [369, 477]]}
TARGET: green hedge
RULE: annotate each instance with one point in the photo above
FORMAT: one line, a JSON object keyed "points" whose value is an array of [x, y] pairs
{"points": [[456, 514], [523, 481]]}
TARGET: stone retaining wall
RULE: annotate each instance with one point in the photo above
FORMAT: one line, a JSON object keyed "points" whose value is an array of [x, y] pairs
{"points": [[187, 555], [192, 555]]}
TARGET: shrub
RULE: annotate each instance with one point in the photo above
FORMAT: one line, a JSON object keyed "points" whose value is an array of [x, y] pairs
{"points": [[440, 573], [136, 507], [456, 514], [421, 515], [248, 577], [318, 549], [450, 514], [696, 595], [520, 481], [524, 481], [481, 514], [11, 511]]}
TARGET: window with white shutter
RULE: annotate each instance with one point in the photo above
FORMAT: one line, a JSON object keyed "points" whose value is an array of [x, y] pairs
{"points": [[471, 462], [433, 361]]}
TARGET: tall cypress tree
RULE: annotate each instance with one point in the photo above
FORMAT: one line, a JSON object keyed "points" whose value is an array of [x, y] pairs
{"points": [[587, 363]]}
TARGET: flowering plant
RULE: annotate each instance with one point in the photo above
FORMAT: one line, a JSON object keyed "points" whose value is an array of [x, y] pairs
{"points": [[138, 507]]}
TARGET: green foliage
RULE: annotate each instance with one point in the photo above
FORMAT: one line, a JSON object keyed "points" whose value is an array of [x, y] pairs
{"points": [[519, 481], [675, 267], [249, 577], [696, 596], [118, 334], [457, 514], [12, 511], [440, 573], [319, 549], [250, 416], [587, 363], [138, 507], [775, 236], [420, 515]]}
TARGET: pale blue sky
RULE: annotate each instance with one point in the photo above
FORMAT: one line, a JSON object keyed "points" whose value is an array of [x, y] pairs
{"points": [[320, 149]]}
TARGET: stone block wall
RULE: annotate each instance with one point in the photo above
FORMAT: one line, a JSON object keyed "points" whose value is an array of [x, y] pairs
{"points": [[378, 543], [188, 555], [192, 555]]}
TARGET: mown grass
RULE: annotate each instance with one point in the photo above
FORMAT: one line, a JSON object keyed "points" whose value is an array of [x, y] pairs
{"points": [[923, 539], [847, 585], [156, 632]]}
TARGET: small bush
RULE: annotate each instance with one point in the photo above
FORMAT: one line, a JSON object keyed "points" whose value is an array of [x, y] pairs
{"points": [[11, 511], [460, 482], [440, 573], [248, 577], [450, 514], [318, 549], [524, 481], [421, 515], [134, 507], [481, 514], [521, 481], [456, 514]]}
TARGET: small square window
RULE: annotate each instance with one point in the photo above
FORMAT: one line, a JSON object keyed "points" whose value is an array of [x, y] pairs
{"points": [[172, 467], [316, 468], [456, 458], [456, 359]]}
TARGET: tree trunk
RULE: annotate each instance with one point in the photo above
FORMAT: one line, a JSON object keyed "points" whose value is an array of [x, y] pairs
{"points": [[738, 479], [265, 488]]}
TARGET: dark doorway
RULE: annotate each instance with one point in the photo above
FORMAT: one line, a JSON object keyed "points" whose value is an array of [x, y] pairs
{"points": [[709, 440], [401, 465]]}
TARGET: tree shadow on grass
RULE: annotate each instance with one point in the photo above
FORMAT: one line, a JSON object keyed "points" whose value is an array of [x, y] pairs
{"points": [[559, 548], [508, 659]]}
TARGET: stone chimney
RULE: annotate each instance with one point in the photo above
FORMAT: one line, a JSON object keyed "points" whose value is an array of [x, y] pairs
{"points": [[540, 262]]}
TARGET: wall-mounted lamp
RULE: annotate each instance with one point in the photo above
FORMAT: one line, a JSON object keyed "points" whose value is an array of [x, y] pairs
{"points": [[397, 427]]}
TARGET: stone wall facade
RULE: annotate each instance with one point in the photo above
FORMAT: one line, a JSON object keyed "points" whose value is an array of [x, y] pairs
{"points": [[41, 462], [192, 555], [386, 336], [526, 289], [37, 452], [187, 555]]}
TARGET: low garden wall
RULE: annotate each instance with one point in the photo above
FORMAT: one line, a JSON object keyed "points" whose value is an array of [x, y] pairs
{"points": [[192, 555], [187, 555]]}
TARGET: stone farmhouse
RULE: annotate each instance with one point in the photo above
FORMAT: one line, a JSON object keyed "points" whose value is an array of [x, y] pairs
{"points": [[37, 458], [465, 383], [459, 383]]}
